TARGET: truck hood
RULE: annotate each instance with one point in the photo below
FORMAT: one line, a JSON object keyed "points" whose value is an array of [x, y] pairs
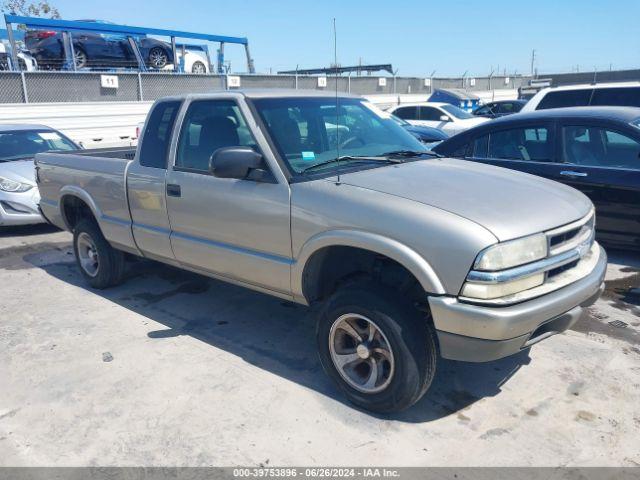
{"points": [[19, 171], [507, 203]]}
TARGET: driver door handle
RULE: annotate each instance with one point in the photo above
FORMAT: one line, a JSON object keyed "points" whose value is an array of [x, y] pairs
{"points": [[173, 190], [571, 173]]}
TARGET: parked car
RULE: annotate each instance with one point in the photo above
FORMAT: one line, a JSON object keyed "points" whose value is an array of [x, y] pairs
{"points": [[410, 256], [499, 108], [428, 135], [594, 149], [443, 116], [625, 94], [18, 193], [26, 61], [97, 50], [195, 59]]}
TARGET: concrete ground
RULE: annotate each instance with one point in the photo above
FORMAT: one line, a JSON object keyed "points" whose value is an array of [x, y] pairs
{"points": [[175, 369]]}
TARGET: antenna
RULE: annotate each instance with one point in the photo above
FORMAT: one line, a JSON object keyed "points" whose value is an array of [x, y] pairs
{"points": [[335, 66]]}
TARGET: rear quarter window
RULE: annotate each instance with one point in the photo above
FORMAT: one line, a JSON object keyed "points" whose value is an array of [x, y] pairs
{"points": [[157, 135]]}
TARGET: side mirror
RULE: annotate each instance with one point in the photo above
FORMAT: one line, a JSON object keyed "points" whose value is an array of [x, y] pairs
{"points": [[444, 118], [235, 162]]}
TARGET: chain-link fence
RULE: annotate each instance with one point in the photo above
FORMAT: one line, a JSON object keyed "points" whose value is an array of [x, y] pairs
{"points": [[11, 87], [56, 87]]}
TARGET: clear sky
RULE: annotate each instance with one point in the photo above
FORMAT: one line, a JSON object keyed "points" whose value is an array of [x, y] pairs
{"points": [[417, 37]]}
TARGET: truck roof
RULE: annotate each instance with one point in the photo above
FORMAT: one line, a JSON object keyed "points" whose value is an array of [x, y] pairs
{"points": [[270, 93]]}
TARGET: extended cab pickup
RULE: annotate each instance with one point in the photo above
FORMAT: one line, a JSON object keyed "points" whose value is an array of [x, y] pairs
{"points": [[314, 198]]}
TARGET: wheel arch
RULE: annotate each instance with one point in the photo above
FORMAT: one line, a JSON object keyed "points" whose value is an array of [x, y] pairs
{"points": [[307, 270], [75, 203]]}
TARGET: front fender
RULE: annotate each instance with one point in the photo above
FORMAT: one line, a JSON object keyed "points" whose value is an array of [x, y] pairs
{"points": [[405, 256]]}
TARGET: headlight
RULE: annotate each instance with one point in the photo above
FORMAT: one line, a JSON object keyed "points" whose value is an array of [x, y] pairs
{"points": [[496, 290], [512, 253], [7, 185]]}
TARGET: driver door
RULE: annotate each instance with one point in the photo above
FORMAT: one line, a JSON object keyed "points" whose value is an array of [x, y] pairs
{"points": [[235, 229], [432, 117]]}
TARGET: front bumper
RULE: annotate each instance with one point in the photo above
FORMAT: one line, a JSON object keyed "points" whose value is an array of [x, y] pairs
{"points": [[20, 208], [476, 333]]}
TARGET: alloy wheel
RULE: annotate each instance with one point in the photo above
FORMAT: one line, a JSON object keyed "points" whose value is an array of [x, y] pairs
{"points": [[88, 254], [361, 353]]}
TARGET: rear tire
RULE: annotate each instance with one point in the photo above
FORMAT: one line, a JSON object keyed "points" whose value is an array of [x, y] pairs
{"points": [[101, 265], [80, 58], [356, 360], [198, 68]]}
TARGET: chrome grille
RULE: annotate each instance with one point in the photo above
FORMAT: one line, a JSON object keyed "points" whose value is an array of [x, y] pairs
{"points": [[568, 237]]}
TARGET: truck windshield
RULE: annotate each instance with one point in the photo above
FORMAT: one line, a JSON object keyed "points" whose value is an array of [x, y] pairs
{"points": [[26, 143], [310, 131]]}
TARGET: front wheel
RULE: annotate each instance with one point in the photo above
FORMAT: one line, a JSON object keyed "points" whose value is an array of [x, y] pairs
{"points": [[378, 348], [101, 265], [158, 58]]}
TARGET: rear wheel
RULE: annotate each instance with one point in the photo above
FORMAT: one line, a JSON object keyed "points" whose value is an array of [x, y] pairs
{"points": [[379, 349], [158, 58], [198, 67], [80, 58], [101, 265]]}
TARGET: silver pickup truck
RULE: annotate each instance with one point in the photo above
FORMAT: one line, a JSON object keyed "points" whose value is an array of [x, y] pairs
{"points": [[322, 199]]}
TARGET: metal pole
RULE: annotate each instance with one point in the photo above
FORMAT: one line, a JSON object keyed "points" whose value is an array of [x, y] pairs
{"points": [[69, 53], [140, 96], [221, 58], [24, 88], [136, 51], [349, 83], [208, 59], [175, 54], [296, 78], [250, 65], [14, 55]]}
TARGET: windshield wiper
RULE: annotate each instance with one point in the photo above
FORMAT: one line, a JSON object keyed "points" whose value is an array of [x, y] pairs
{"points": [[364, 158], [410, 153]]}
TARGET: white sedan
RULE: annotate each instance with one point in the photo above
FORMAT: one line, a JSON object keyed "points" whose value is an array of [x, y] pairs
{"points": [[444, 116], [19, 195]]}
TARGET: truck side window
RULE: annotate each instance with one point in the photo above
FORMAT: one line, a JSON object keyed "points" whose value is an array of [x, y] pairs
{"points": [[208, 126], [157, 135]]}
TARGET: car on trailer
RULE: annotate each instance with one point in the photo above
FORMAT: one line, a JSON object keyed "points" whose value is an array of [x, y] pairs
{"points": [[96, 50]]}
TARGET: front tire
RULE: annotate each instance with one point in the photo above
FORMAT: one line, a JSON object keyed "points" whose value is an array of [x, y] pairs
{"points": [[378, 348], [158, 58], [101, 265]]}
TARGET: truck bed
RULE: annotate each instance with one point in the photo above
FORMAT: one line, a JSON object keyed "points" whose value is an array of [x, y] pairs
{"points": [[98, 178], [123, 153]]}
